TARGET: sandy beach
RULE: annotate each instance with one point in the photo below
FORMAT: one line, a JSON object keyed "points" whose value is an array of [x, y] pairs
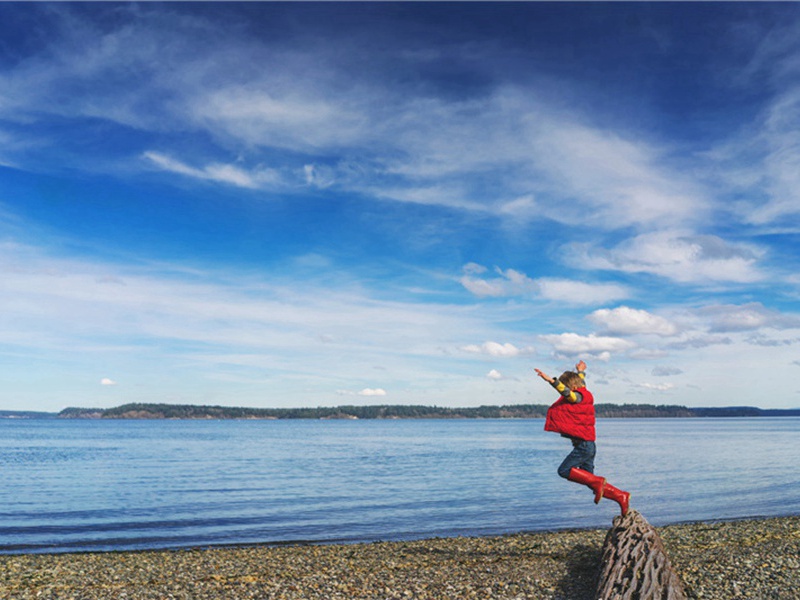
{"points": [[757, 558]]}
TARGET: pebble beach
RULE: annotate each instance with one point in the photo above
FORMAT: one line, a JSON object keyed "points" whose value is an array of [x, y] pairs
{"points": [[758, 558]]}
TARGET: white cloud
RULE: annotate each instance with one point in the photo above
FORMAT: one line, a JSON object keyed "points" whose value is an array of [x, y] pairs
{"points": [[580, 292], [483, 288], [680, 256], [539, 154], [220, 173], [406, 147], [107, 381], [619, 180], [575, 345], [54, 305], [495, 375], [319, 176], [761, 162], [657, 387], [511, 282], [433, 193], [629, 321], [745, 317], [372, 392], [524, 208], [496, 349], [295, 117]]}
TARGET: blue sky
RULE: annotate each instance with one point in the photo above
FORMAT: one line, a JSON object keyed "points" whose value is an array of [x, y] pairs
{"points": [[276, 205]]}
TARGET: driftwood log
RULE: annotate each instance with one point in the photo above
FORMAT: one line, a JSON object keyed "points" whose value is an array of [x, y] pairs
{"points": [[634, 564]]}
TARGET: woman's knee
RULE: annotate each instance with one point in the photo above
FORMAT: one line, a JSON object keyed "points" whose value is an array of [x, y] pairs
{"points": [[563, 471]]}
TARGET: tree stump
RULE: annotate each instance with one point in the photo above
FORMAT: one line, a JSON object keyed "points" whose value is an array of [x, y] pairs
{"points": [[634, 564]]}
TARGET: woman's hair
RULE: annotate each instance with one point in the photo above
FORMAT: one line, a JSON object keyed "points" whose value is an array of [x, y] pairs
{"points": [[572, 380]]}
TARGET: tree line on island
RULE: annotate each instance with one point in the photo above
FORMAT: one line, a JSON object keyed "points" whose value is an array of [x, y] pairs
{"points": [[517, 411]]}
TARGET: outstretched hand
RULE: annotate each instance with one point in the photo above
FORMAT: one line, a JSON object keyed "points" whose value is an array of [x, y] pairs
{"points": [[547, 378], [581, 366]]}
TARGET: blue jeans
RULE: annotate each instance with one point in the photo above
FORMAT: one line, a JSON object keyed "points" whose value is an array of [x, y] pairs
{"points": [[581, 457]]}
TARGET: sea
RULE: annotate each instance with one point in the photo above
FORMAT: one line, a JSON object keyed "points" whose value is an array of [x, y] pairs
{"points": [[109, 485]]}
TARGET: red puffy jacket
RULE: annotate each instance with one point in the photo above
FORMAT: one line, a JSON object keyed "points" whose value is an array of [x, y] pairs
{"points": [[573, 419]]}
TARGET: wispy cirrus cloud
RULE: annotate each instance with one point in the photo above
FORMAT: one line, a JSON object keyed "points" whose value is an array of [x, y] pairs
{"points": [[220, 173], [617, 181], [59, 303], [760, 162], [414, 148], [268, 112]]}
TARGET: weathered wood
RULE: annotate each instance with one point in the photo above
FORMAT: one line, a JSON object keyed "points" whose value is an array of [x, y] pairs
{"points": [[634, 564]]}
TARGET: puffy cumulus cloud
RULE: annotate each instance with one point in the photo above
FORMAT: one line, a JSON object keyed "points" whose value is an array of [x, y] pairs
{"points": [[369, 392], [494, 375], [511, 283], [497, 349], [681, 256], [107, 381], [575, 345], [372, 392], [624, 320], [745, 317]]}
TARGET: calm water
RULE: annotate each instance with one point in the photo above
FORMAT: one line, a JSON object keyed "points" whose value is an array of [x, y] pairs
{"points": [[121, 485]]}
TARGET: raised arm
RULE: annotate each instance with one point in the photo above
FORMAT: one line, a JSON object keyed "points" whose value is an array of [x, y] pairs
{"points": [[581, 369], [568, 394]]}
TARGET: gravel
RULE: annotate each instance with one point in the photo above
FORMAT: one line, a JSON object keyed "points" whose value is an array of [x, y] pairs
{"points": [[741, 559]]}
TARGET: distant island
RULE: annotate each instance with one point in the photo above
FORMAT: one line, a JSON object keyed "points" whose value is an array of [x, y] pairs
{"points": [[515, 411]]}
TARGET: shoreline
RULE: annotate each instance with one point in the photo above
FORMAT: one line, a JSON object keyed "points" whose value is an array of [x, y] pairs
{"points": [[746, 558], [198, 412], [10, 551]]}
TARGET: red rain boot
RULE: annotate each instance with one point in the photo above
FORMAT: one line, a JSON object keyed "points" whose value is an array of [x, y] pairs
{"points": [[618, 496], [590, 479]]}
